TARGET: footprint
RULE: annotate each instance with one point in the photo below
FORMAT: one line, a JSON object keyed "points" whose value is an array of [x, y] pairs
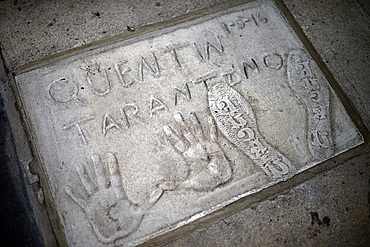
{"points": [[235, 119], [316, 95]]}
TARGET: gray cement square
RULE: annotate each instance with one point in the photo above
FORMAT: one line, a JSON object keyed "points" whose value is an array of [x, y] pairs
{"points": [[146, 135]]}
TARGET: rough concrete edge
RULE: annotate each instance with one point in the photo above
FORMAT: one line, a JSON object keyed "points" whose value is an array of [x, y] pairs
{"points": [[240, 204], [127, 35], [24, 154], [25, 157], [49, 225]]}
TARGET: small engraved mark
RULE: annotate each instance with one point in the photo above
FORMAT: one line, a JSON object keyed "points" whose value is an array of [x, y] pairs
{"points": [[233, 77], [240, 22], [144, 64], [273, 61], [208, 166], [77, 124], [179, 92], [175, 55], [98, 92], [64, 90], [135, 114], [109, 211], [122, 74], [156, 104], [108, 123], [209, 45]]}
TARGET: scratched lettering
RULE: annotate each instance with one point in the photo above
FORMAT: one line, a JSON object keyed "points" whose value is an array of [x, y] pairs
{"points": [[97, 91], [181, 93], [154, 69], [126, 81], [77, 124], [273, 61], [64, 90], [156, 104], [220, 49], [254, 66], [242, 22], [109, 123], [135, 114], [174, 52]]}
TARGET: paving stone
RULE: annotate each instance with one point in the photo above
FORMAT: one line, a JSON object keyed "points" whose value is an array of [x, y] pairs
{"points": [[143, 136]]}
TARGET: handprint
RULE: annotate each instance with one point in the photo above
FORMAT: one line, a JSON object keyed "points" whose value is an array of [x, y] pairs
{"points": [[207, 165], [111, 214]]}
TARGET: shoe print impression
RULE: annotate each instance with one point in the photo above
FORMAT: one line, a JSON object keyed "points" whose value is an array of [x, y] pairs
{"points": [[235, 119], [316, 96]]}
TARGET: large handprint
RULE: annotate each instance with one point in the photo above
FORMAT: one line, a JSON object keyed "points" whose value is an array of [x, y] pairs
{"points": [[207, 165], [109, 211]]}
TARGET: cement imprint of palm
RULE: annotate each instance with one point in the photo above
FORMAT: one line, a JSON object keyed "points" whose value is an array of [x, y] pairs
{"points": [[207, 164], [109, 211]]}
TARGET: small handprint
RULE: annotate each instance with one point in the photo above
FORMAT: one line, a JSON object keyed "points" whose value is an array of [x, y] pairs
{"points": [[109, 211], [207, 165]]}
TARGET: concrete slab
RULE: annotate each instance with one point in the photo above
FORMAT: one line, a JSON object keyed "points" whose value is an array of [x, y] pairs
{"points": [[140, 137]]}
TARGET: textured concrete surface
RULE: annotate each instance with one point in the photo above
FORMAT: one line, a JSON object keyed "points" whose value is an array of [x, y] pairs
{"points": [[46, 27], [337, 29], [330, 210]]}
